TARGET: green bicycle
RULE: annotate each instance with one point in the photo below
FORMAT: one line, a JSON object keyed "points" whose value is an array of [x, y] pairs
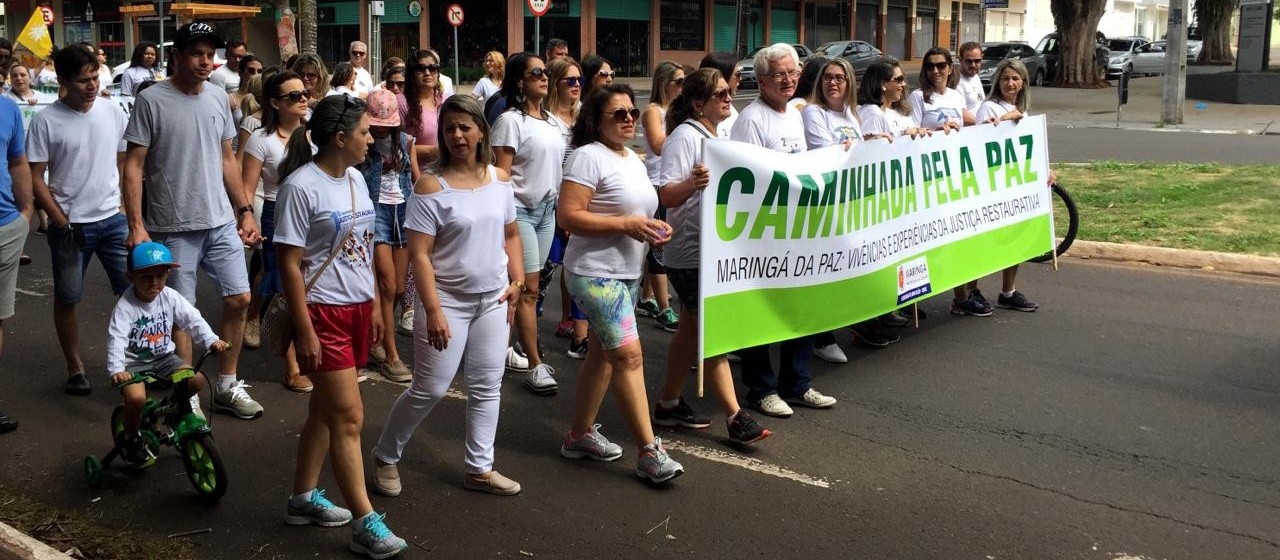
{"points": [[169, 422]]}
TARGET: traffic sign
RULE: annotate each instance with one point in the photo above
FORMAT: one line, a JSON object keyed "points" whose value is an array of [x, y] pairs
{"points": [[455, 15], [47, 12], [539, 7]]}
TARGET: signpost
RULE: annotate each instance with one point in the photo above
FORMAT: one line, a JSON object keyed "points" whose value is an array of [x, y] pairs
{"points": [[455, 17], [539, 9]]}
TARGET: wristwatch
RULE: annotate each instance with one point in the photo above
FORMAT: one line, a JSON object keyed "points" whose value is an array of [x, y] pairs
{"points": [[519, 284]]}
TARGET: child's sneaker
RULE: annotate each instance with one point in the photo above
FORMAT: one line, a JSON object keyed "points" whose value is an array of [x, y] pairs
{"points": [[134, 450], [372, 538], [656, 465], [316, 509]]}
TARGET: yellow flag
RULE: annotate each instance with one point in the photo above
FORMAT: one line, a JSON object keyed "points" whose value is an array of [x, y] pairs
{"points": [[35, 35]]}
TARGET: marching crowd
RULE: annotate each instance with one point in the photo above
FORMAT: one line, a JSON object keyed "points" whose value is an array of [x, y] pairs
{"points": [[370, 208]]}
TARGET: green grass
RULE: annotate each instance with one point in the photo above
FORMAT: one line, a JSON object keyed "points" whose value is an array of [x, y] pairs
{"points": [[1204, 206]]}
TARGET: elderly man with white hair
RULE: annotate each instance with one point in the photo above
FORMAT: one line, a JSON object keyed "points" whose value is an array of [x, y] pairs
{"points": [[359, 59], [770, 122]]}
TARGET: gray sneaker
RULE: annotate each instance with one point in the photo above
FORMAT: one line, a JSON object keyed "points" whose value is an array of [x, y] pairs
{"points": [[372, 538], [592, 445], [237, 402], [540, 380], [318, 510], [656, 465]]}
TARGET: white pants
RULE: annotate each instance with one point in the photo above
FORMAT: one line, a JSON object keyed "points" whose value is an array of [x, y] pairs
{"points": [[478, 327]]}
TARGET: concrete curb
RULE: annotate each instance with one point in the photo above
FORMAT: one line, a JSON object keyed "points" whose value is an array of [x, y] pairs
{"points": [[1180, 258], [16, 545]]}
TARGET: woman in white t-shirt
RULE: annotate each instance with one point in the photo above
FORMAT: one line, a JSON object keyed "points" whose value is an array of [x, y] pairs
{"points": [[494, 66], [142, 68], [343, 80], [324, 215], [20, 90], [264, 150], [936, 105], [529, 143], [564, 100], [668, 79], [607, 204], [882, 102], [465, 246], [691, 119]]}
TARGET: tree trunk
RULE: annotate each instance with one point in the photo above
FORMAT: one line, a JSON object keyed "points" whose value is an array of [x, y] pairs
{"points": [[286, 29], [307, 26], [1214, 19], [1077, 22]]}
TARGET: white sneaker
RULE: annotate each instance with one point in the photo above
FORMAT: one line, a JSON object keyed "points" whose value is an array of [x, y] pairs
{"points": [[831, 354], [236, 402], [404, 324], [774, 406], [515, 362], [195, 407], [540, 380], [813, 399]]}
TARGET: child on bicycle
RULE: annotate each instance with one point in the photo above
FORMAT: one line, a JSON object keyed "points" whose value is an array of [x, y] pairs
{"points": [[138, 339]]}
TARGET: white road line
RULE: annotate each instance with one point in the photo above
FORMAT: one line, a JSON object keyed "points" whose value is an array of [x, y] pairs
{"points": [[715, 455], [30, 293]]}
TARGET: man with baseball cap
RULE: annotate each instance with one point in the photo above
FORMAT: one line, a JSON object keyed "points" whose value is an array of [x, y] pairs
{"points": [[179, 138]]}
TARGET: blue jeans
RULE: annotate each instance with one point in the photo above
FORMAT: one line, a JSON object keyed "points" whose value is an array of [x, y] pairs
{"points": [[793, 377], [72, 247]]}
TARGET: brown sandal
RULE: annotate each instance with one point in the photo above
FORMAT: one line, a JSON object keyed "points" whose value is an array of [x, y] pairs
{"points": [[297, 383]]}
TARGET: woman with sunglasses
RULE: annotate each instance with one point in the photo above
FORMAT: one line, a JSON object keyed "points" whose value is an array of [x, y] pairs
{"points": [[693, 117], [598, 73], [391, 66], [529, 143], [882, 102], [323, 205], [315, 76], [464, 242], [420, 102], [668, 78], [936, 105], [250, 66], [494, 67], [607, 204], [564, 100], [264, 151]]}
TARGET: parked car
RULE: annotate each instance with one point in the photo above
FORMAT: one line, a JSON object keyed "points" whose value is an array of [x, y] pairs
{"points": [[1122, 53], [747, 71], [993, 53], [1052, 42], [860, 54], [1149, 59], [1195, 43]]}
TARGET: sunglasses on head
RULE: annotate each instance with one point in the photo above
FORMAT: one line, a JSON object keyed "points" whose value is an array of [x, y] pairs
{"points": [[350, 102], [572, 81], [296, 96], [538, 73], [938, 66], [621, 115], [428, 68]]}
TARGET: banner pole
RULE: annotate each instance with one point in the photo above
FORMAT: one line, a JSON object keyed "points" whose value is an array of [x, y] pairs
{"points": [[702, 234], [915, 314]]}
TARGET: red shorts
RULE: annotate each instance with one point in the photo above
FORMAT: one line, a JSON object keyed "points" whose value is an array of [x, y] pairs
{"points": [[343, 331]]}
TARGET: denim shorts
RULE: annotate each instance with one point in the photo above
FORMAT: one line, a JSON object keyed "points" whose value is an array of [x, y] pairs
{"points": [[73, 246], [537, 227], [389, 227], [610, 306], [218, 251]]}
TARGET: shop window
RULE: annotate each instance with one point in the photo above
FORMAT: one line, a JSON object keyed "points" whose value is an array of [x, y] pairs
{"points": [[683, 25]]}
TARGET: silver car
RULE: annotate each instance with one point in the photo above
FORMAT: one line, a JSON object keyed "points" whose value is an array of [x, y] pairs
{"points": [[1149, 59], [1122, 53], [993, 53]]}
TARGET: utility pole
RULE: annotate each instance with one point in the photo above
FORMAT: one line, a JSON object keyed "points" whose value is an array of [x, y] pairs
{"points": [[1175, 63]]}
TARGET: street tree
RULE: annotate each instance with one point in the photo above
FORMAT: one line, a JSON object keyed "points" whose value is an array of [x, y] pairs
{"points": [[286, 35], [1214, 19], [1077, 23], [307, 26]]}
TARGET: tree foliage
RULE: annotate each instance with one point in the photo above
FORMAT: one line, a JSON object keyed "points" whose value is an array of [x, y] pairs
{"points": [[1077, 23], [1214, 19]]}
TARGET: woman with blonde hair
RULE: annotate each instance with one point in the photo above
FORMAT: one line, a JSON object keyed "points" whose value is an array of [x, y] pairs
{"points": [[315, 76], [495, 65]]}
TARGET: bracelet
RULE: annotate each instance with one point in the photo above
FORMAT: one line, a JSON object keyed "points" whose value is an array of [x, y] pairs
{"points": [[519, 284]]}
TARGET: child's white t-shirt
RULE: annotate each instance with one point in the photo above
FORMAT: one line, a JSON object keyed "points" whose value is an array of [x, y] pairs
{"points": [[140, 332]]}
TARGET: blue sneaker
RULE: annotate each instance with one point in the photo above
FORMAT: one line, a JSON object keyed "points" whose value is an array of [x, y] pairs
{"points": [[318, 510], [372, 538]]}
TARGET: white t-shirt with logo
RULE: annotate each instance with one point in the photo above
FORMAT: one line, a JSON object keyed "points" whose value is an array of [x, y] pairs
{"points": [[876, 120], [761, 125], [825, 127], [942, 107], [313, 211], [622, 188], [971, 90], [81, 150], [539, 150], [140, 331]]}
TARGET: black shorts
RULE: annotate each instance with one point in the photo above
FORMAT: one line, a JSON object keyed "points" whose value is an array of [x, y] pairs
{"points": [[685, 281]]}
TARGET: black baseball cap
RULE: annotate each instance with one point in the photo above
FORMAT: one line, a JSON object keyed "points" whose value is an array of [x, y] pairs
{"points": [[197, 31]]}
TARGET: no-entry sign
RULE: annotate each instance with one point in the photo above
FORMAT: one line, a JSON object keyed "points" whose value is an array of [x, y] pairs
{"points": [[455, 15], [539, 7]]}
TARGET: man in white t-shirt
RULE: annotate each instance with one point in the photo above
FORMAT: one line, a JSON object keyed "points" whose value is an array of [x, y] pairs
{"points": [[227, 76], [770, 122], [970, 86], [79, 140], [359, 53]]}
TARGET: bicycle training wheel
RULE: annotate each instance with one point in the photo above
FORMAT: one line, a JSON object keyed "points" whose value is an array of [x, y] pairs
{"points": [[1066, 224], [204, 468]]}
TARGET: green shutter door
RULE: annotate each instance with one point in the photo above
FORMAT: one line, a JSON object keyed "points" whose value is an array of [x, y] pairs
{"points": [[783, 26]]}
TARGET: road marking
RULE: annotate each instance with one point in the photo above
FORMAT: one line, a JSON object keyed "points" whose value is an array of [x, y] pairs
{"points": [[30, 293], [714, 455]]}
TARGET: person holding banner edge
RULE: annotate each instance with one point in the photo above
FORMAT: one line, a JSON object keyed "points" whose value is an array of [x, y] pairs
{"points": [[769, 122], [693, 116]]}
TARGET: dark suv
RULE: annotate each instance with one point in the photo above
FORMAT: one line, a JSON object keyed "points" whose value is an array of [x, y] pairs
{"points": [[1051, 44]]}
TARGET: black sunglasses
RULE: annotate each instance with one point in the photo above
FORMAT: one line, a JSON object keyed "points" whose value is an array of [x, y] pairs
{"points": [[395, 83], [296, 96], [573, 81], [621, 115], [939, 66], [430, 68], [538, 73]]}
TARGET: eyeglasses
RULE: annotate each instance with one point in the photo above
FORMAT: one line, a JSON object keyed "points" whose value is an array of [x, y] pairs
{"points": [[898, 79], [678, 82], [834, 79], [537, 73], [780, 76], [723, 95], [358, 53], [607, 74], [395, 84], [938, 66], [973, 61], [296, 96], [572, 81], [620, 115], [428, 68]]}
